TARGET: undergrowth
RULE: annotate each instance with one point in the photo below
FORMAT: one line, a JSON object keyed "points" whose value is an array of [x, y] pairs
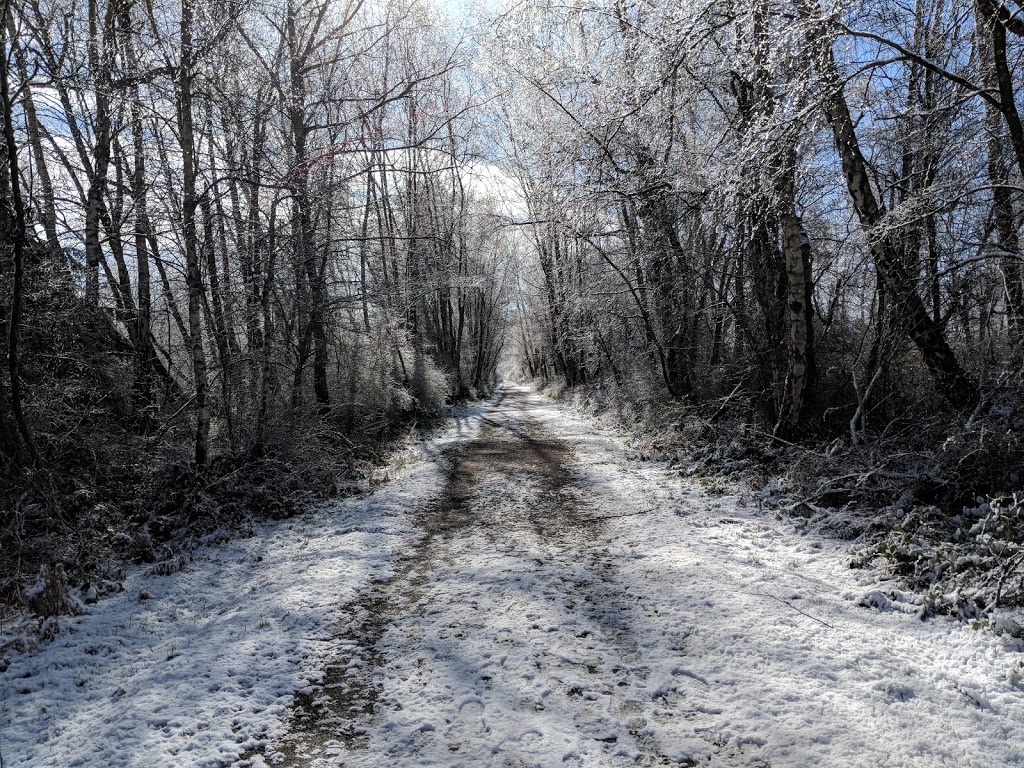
{"points": [[969, 565], [70, 535]]}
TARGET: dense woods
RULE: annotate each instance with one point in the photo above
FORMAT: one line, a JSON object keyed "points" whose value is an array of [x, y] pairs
{"points": [[797, 218], [782, 196], [242, 244], [235, 236]]}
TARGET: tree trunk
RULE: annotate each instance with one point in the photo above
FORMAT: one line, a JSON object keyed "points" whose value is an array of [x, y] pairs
{"points": [[796, 248], [47, 206], [190, 202], [996, 71], [995, 77], [19, 236], [954, 383], [100, 44], [801, 375], [144, 354]]}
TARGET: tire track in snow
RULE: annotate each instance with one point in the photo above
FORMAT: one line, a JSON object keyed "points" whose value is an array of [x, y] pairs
{"points": [[501, 638], [332, 718]]}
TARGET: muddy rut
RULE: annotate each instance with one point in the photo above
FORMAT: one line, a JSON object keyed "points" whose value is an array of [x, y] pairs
{"points": [[513, 487]]}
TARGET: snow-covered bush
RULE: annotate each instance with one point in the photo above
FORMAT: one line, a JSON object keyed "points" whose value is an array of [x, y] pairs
{"points": [[50, 598], [970, 565]]}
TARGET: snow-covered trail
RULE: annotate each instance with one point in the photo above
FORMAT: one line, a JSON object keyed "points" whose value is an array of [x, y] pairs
{"points": [[567, 606], [523, 593]]}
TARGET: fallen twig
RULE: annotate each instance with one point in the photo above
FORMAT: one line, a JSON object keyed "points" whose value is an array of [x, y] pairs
{"points": [[725, 403], [612, 517], [786, 602], [778, 439]]}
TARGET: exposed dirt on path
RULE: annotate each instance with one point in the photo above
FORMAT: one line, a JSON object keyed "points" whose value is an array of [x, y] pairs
{"points": [[512, 491]]}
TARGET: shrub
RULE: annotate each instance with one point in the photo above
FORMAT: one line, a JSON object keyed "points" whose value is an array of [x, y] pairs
{"points": [[970, 565]]}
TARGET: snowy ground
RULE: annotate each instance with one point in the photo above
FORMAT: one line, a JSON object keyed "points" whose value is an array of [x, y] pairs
{"points": [[521, 594]]}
